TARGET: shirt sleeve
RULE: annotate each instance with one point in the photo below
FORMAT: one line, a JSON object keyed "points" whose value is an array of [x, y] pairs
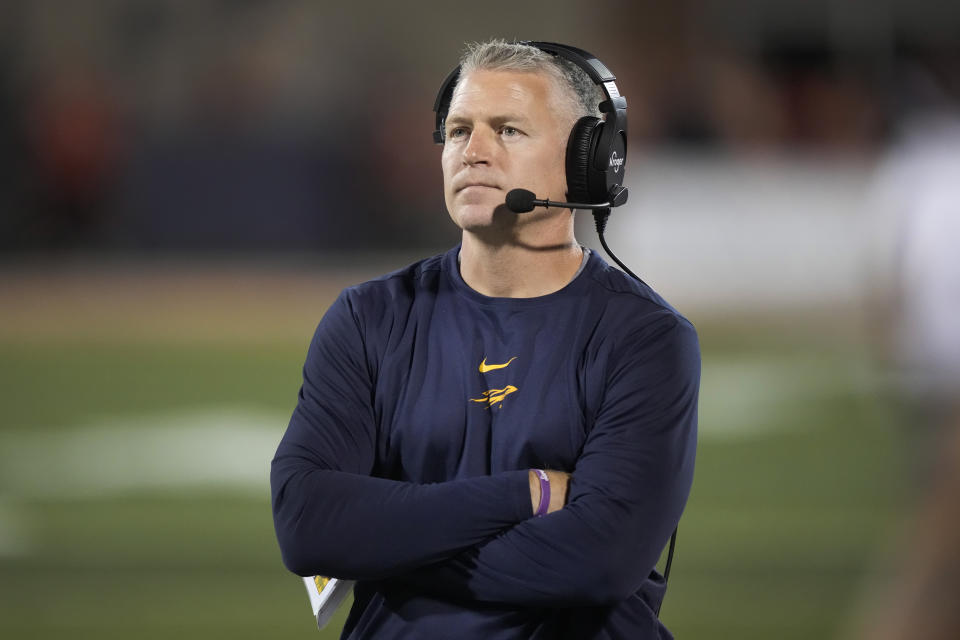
{"points": [[331, 517], [627, 491]]}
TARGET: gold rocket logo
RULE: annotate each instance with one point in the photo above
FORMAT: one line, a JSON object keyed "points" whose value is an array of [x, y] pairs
{"points": [[494, 397], [321, 582]]}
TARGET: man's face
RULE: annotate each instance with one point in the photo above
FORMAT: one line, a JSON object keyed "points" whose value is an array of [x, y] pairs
{"points": [[504, 130]]}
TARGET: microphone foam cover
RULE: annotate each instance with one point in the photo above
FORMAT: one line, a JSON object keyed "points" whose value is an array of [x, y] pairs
{"points": [[520, 200]]}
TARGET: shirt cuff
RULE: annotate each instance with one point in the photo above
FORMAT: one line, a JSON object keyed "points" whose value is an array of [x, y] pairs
{"points": [[519, 486]]}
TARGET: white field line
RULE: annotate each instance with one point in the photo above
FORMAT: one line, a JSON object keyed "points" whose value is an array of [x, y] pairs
{"points": [[742, 398], [215, 448], [232, 447], [228, 448]]}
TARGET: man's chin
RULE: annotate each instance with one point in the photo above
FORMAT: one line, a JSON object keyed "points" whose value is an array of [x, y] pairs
{"points": [[484, 217]]}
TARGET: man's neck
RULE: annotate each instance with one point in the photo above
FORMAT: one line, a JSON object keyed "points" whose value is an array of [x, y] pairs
{"points": [[516, 271]]}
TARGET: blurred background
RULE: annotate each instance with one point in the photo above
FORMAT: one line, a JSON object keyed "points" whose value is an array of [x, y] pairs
{"points": [[185, 186]]}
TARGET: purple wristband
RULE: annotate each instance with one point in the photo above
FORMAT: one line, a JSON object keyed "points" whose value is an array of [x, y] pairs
{"points": [[544, 493]]}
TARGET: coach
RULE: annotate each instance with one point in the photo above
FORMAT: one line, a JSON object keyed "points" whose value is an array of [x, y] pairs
{"points": [[497, 442]]}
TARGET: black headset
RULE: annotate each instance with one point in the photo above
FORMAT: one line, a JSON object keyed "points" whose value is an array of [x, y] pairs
{"points": [[596, 150]]}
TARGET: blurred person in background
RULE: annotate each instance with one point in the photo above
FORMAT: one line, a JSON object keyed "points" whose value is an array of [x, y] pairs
{"points": [[496, 442], [74, 145], [918, 199]]}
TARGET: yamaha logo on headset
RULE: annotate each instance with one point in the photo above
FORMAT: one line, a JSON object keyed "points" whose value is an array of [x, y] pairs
{"points": [[615, 162]]}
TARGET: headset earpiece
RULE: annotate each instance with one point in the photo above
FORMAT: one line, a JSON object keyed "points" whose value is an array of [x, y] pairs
{"points": [[581, 148]]}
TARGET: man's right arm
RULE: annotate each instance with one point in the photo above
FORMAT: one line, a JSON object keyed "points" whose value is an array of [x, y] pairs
{"points": [[331, 517], [626, 492]]}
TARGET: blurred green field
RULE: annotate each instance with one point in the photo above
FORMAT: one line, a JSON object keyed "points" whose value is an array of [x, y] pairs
{"points": [[798, 484]]}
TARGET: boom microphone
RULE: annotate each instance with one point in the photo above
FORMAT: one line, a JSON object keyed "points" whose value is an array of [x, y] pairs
{"points": [[522, 201]]}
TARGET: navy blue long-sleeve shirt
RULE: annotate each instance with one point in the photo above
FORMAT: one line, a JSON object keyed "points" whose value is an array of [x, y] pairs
{"points": [[423, 406]]}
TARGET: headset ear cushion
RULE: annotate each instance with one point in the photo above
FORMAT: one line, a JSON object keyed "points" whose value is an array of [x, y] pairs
{"points": [[579, 147]]}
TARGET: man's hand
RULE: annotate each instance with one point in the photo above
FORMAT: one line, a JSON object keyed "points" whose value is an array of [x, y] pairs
{"points": [[559, 481]]}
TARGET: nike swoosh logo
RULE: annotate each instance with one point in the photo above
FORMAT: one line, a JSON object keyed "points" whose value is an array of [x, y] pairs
{"points": [[484, 367]]}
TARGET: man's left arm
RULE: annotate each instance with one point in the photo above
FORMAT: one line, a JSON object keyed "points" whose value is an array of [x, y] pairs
{"points": [[626, 493]]}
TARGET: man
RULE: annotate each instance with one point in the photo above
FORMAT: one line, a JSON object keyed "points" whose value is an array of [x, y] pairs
{"points": [[916, 204], [435, 396]]}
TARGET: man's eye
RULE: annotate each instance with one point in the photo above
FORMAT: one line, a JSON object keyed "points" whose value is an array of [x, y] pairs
{"points": [[457, 132], [509, 132]]}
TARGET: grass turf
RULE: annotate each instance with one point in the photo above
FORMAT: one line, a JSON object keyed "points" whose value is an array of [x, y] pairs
{"points": [[779, 530]]}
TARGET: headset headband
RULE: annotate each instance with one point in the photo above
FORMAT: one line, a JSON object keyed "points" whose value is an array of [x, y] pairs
{"points": [[615, 106]]}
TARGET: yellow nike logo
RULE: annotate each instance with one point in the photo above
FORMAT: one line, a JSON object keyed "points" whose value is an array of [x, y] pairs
{"points": [[495, 396], [484, 367]]}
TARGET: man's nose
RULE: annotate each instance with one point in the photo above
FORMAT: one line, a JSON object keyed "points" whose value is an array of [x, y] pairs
{"points": [[480, 147]]}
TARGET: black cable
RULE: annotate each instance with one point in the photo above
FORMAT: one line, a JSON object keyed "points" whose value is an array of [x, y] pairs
{"points": [[673, 543], [600, 217], [666, 570]]}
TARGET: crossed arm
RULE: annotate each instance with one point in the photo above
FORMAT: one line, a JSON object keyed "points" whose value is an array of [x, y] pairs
{"points": [[625, 494], [625, 498]]}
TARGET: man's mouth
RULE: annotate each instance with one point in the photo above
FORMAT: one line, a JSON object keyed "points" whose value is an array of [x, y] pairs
{"points": [[477, 185]]}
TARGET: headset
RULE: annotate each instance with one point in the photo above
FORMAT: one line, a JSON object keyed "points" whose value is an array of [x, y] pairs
{"points": [[596, 150], [595, 162]]}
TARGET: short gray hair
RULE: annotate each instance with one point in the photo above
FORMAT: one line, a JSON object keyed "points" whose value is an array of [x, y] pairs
{"points": [[499, 55]]}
